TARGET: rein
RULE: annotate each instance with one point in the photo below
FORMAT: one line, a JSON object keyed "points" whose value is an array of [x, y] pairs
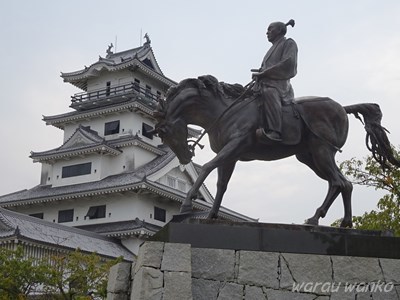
{"points": [[236, 101]]}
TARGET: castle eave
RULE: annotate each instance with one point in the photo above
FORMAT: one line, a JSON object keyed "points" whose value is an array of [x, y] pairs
{"points": [[60, 121], [57, 155]]}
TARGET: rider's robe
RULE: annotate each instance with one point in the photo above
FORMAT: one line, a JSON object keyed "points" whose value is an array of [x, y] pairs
{"points": [[281, 65]]}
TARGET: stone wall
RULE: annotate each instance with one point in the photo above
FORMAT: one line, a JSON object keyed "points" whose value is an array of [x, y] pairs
{"points": [[172, 271]]}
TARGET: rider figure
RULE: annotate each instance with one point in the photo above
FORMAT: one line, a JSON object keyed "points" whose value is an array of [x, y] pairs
{"points": [[273, 78]]}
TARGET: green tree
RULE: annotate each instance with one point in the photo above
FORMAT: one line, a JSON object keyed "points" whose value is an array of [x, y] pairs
{"points": [[19, 276], [64, 276], [369, 173], [75, 274]]}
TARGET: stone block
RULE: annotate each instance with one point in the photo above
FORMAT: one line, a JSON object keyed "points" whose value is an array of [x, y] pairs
{"points": [[203, 289], [258, 268], [147, 284], [231, 291], [177, 285], [287, 295], [343, 294], [112, 296], [308, 270], [364, 296], [119, 278], [347, 269], [391, 269], [216, 264], [150, 255], [253, 293], [386, 291], [176, 257]]}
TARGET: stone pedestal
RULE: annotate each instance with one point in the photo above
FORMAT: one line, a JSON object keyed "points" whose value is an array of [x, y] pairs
{"points": [[286, 238], [216, 260]]}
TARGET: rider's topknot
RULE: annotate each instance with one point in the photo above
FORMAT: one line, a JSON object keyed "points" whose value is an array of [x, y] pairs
{"points": [[291, 23]]}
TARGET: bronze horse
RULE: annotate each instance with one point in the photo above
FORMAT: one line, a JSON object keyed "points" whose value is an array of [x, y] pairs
{"points": [[230, 115]]}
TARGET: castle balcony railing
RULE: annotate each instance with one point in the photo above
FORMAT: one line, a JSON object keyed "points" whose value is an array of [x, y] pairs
{"points": [[112, 95]]}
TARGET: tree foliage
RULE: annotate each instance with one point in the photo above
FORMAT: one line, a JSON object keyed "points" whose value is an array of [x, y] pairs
{"points": [[67, 276], [78, 274], [369, 173], [19, 276]]}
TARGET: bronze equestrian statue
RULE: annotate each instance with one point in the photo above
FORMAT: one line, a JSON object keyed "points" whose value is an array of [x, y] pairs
{"points": [[313, 129]]}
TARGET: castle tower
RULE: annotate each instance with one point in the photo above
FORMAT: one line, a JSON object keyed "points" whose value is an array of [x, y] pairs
{"points": [[111, 175]]}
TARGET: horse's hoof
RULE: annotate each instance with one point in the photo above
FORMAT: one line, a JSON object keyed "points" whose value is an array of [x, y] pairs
{"points": [[186, 209], [346, 224], [311, 221]]}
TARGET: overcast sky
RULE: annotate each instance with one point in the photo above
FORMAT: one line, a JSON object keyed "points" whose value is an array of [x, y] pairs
{"points": [[348, 50]]}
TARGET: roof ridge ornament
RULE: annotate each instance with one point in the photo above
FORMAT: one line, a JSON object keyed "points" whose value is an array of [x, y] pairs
{"points": [[108, 51], [148, 41]]}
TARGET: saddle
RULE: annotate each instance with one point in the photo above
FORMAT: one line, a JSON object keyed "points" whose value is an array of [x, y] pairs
{"points": [[292, 126]]}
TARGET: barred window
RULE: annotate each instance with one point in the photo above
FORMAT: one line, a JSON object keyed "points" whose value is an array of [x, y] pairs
{"points": [[76, 170], [159, 214], [96, 212], [111, 127], [146, 128], [65, 215]]}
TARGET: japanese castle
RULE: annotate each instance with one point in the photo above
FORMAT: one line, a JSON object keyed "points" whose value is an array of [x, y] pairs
{"points": [[111, 184]]}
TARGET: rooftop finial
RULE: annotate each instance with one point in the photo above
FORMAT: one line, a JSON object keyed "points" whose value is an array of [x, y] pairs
{"points": [[148, 41], [108, 51]]}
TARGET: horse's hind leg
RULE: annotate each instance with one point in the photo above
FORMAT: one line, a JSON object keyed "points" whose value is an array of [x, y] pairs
{"points": [[321, 161], [346, 194]]}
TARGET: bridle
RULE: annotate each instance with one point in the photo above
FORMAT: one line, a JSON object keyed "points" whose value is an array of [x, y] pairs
{"points": [[193, 143]]}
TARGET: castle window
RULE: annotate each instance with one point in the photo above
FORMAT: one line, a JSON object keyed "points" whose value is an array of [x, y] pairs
{"points": [[37, 215], [96, 212], [148, 91], [171, 181], [65, 216], [136, 85], [108, 88], [146, 128], [111, 128], [76, 170], [159, 214]]}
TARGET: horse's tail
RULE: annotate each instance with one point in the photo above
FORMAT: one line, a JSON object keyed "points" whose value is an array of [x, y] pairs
{"points": [[376, 139]]}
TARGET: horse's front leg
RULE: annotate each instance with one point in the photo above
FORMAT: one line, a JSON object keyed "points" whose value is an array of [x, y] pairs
{"points": [[228, 154], [224, 175]]}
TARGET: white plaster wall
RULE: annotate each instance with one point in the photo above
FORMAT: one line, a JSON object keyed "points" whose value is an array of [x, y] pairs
{"points": [[119, 207], [116, 78], [130, 122], [46, 176], [57, 179], [123, 77]]}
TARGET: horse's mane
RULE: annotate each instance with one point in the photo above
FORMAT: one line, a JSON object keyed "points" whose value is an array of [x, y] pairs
{"points": [[210, 83]]}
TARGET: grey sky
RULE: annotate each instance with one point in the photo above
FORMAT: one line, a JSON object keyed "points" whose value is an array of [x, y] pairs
{"points": [[348, 50]]}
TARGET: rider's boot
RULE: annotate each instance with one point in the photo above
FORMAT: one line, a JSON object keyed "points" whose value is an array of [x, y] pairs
{"points": [[273, 135]]}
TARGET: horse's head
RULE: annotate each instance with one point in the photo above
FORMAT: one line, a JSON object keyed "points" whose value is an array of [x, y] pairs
{"points": [[172, 129], [192, 101]]}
